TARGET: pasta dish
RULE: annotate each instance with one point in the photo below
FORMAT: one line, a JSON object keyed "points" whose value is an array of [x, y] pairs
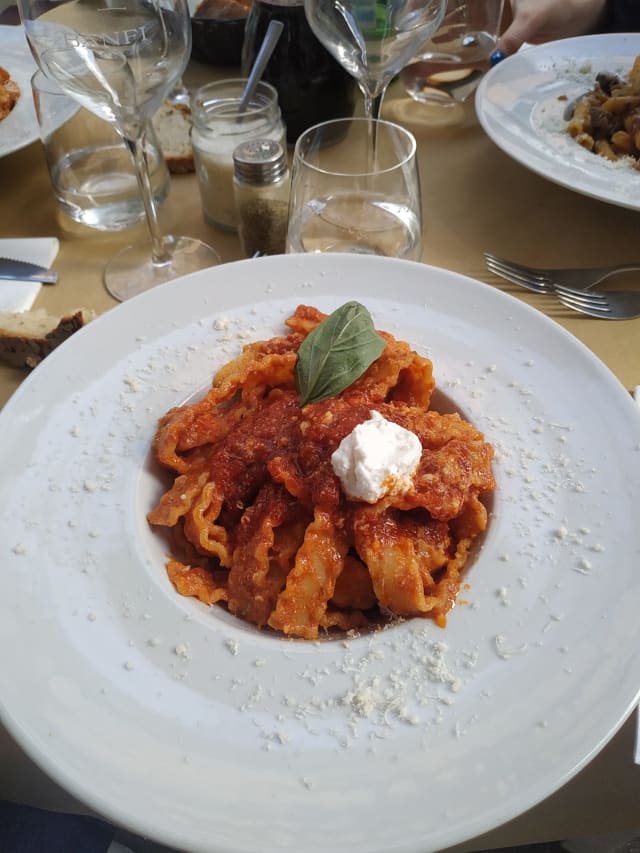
{"points": [[9, 93], [607, 119], [259, 520]]}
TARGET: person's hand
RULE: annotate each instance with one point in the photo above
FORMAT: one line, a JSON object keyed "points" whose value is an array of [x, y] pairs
{"points": [[537, 21]]}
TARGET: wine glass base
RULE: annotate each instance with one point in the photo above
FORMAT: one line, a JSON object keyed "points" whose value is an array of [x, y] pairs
{"points": [[132, 271]]}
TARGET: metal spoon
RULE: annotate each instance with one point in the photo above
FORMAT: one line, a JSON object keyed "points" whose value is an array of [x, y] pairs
{"points": [[570, 108], [264, 54]]}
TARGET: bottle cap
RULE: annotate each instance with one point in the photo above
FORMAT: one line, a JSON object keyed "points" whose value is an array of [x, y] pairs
{"points": [[259, 161]]}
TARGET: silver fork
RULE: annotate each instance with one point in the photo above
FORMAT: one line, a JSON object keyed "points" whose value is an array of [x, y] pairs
{"points": [[543, 280], [618, 305]]}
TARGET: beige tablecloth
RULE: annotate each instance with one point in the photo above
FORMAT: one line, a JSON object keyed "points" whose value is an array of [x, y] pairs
{"points": [[475, 199]]}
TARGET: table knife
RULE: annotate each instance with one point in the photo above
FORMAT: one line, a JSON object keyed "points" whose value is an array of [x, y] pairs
{"points": [[10, 268]]}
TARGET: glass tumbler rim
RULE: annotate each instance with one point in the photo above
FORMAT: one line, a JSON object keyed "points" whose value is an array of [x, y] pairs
{"points": [[41, 81], [409, 154]]}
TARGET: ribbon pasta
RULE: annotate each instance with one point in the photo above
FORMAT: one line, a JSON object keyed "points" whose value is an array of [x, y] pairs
{"points": [[257, 517]]}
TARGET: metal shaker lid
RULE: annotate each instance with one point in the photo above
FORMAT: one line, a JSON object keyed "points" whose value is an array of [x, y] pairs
{"points": [[259, 161]]}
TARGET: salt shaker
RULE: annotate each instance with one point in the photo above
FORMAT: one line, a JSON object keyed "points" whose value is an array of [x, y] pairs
{"points": [[261, 187]]}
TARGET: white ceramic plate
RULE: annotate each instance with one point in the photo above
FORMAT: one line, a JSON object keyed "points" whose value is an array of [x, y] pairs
{"points": [[188, 726], [518, 106], [20, 127]]}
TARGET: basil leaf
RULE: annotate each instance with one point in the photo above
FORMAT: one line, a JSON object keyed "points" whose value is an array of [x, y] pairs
{"points": [[336, 353]]}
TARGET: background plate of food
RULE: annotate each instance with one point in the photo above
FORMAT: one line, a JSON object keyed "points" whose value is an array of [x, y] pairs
{"points": [[185, 723], [522, 102], [19, 127]]}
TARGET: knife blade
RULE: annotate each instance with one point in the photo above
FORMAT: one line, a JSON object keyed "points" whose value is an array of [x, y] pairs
{"points": [[15, 270]]}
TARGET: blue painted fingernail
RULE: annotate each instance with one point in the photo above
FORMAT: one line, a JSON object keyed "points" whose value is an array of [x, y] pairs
{"points": [[496, 57]]}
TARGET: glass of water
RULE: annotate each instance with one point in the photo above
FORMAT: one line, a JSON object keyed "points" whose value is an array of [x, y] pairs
{"points": [[450, 65], [91, 171], [342, 200]]}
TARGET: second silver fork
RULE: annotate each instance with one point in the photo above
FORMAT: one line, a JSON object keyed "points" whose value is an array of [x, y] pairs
{"points": [[619, 305], [540, 280]]}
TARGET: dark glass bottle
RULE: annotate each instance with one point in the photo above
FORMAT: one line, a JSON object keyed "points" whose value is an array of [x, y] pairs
{"points": [[312, 86]]}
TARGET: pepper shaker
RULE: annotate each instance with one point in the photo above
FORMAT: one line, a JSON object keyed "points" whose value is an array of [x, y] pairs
{"points": [[261, 187]]}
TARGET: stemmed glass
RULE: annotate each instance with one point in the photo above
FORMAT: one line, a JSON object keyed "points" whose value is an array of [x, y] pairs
{"points": [[120, 59], [374, 39]]}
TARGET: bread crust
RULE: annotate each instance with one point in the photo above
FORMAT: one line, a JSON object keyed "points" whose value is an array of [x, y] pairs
{"points": [[21, 347], [172, 124]]}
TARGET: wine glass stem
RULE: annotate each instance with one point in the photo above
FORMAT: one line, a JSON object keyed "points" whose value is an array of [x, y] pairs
{"points": [[376, 105], [372, 108], [160, 253]]}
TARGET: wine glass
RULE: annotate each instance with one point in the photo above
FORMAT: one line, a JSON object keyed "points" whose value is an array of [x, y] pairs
{"points": [[341, 201], [120, 59], [374, 39]]}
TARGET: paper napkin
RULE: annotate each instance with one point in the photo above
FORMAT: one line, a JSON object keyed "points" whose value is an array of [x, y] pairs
{"points": [[20, 295]]}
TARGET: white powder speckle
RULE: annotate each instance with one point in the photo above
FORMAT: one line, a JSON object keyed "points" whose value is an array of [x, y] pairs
{"points": [[506, 651], [182, 651], [503, 596], [132, 383], [231, 645]]}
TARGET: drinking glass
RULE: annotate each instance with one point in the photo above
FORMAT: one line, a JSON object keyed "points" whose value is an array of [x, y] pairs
{"points": [[90, 168], [450, 65], [374, 39], [342, 201], [120, 60]]}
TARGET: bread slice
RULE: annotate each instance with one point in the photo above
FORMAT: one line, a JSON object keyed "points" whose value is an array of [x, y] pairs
{"points": [[26, 337], [172, 124]]}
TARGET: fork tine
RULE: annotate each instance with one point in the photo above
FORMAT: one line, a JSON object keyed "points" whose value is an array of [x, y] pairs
{"points": [[505, 269], [510, 266], [590, 310], [582, 297], [613, 305], [516, 278], [521, 282]]}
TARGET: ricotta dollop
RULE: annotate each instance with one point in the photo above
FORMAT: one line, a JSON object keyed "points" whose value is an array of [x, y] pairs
{"points": [[377, 458]]}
